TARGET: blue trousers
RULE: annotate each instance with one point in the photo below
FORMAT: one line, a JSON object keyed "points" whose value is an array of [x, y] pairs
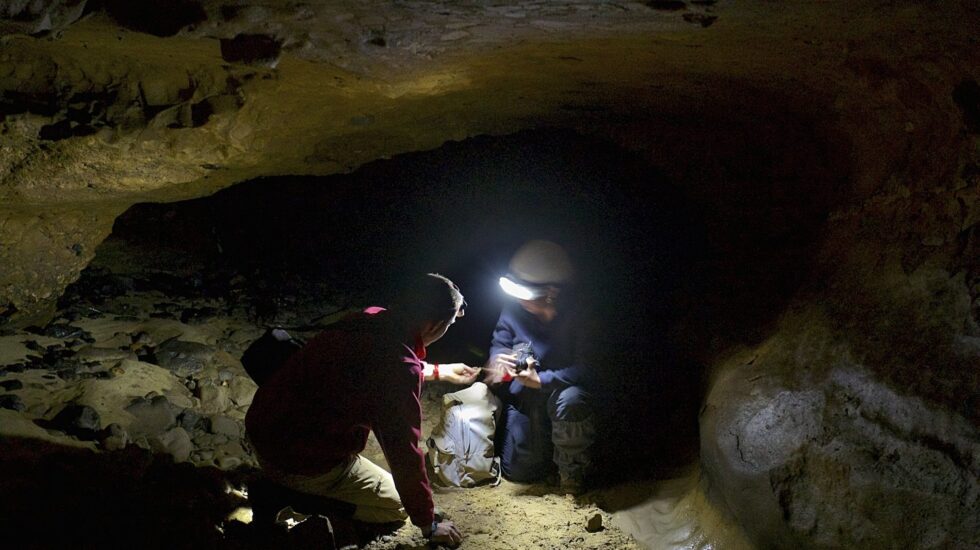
{"points": [[542, 430]]}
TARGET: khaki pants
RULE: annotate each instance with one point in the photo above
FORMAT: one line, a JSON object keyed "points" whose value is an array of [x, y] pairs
{"points": [[359, 482]]}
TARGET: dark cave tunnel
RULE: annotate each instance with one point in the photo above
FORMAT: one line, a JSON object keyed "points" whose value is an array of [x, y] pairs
{"points": [[671, 277]]}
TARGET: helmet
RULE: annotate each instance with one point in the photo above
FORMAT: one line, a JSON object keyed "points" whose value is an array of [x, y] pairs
{"points": [[541, 263]]}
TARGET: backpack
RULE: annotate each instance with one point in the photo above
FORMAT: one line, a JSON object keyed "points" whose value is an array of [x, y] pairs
{"points": [[460, 448], [270, 352]]}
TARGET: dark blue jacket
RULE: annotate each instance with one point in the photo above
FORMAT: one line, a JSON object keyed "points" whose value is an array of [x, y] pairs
{"points": [[559, 346]]}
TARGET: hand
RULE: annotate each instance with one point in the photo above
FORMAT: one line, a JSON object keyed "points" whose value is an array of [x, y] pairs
{"points": [[529, 376], [458, 373], [500, 368], [445, 533]]}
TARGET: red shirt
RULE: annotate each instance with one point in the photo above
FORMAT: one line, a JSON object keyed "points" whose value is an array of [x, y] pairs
{"points": [[316, 411]]}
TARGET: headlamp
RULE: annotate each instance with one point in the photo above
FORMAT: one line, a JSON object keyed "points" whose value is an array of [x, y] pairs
{"points": [[519, 291]]}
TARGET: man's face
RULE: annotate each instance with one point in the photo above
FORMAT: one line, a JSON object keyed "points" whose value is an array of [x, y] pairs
{"points": [[544, 307], [435, 331]]}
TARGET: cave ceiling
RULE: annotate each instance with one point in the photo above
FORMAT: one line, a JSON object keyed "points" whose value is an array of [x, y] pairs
{"points": [[106, 104]]}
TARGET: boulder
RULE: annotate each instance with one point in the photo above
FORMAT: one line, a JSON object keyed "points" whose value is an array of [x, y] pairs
{"points": [[184, 358], [844, 461], [153, 416], [175, 442]]}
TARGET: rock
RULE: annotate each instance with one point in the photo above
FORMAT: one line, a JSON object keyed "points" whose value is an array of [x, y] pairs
{"points": [[183, 358], [189, 420], [153, 415], [229, 462], [845, 460], [114, 437], [224, 426], [11, 385], [176, 443], [103, 355], [12, 402], [64, 330], [242, 390], [594, 523], [214, 399], [80, 421]]}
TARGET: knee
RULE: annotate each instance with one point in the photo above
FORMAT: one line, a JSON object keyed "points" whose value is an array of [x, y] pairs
{"points": [[571, 404]]}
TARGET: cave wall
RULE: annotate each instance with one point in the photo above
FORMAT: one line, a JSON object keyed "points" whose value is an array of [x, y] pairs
{"points": [[862, 386]]}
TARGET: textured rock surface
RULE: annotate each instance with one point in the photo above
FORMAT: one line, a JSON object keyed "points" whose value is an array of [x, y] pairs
{"points": [[847, 130]]}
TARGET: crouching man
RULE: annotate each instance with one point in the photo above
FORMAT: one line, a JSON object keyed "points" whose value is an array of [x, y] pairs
{"points": [[310, 420]]}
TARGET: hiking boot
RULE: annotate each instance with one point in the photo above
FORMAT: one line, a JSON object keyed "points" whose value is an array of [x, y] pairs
{"points": [[571, 485]]}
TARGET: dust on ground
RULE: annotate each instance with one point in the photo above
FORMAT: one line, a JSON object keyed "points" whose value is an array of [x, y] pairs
{"points": [[150, 487]]}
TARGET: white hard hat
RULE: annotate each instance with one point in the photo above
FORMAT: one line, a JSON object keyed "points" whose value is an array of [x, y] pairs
{"points": [[541, 263]]}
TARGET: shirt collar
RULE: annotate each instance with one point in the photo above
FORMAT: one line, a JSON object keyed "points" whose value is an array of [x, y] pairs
{"points": [[419, 347]]}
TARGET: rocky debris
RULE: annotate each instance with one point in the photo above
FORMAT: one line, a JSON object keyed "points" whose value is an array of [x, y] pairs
{"points": [[114, 437], [214, 399], [229, 462], [63, 331], [183, 358], [175, 442], [224, 426], [594, 523], [80, 421], [12, 402], [153, 416], [189, 420]]}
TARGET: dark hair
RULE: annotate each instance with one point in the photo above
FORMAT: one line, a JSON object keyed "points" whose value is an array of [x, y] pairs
{"points": [[430, 297]]}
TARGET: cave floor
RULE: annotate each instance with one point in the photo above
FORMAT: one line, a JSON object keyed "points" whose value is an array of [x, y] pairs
{"points": [[104, 352]]}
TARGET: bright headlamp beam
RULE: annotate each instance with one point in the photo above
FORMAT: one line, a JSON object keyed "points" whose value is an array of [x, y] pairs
{"points": [[520, 292]]}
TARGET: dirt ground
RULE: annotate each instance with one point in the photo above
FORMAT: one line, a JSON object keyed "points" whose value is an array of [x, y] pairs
{"points": [[508, 516]]}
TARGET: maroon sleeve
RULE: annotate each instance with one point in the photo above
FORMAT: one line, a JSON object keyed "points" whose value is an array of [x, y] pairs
{"points": [[398, 427]]}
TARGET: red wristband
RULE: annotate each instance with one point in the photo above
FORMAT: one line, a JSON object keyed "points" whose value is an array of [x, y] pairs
{"points": [[435, 371]]}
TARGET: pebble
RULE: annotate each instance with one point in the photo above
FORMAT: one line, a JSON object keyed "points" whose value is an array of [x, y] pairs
{"points": [[594, 523]]}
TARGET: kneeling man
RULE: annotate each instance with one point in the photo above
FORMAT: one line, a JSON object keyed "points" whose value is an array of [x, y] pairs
{"points": [[310, 420]]}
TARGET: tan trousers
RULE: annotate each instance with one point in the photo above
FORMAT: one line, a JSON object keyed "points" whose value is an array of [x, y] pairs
{"points": [[359, 482]]}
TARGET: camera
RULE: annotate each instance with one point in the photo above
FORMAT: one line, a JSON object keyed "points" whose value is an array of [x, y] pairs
{"points": [[525, 354]]}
